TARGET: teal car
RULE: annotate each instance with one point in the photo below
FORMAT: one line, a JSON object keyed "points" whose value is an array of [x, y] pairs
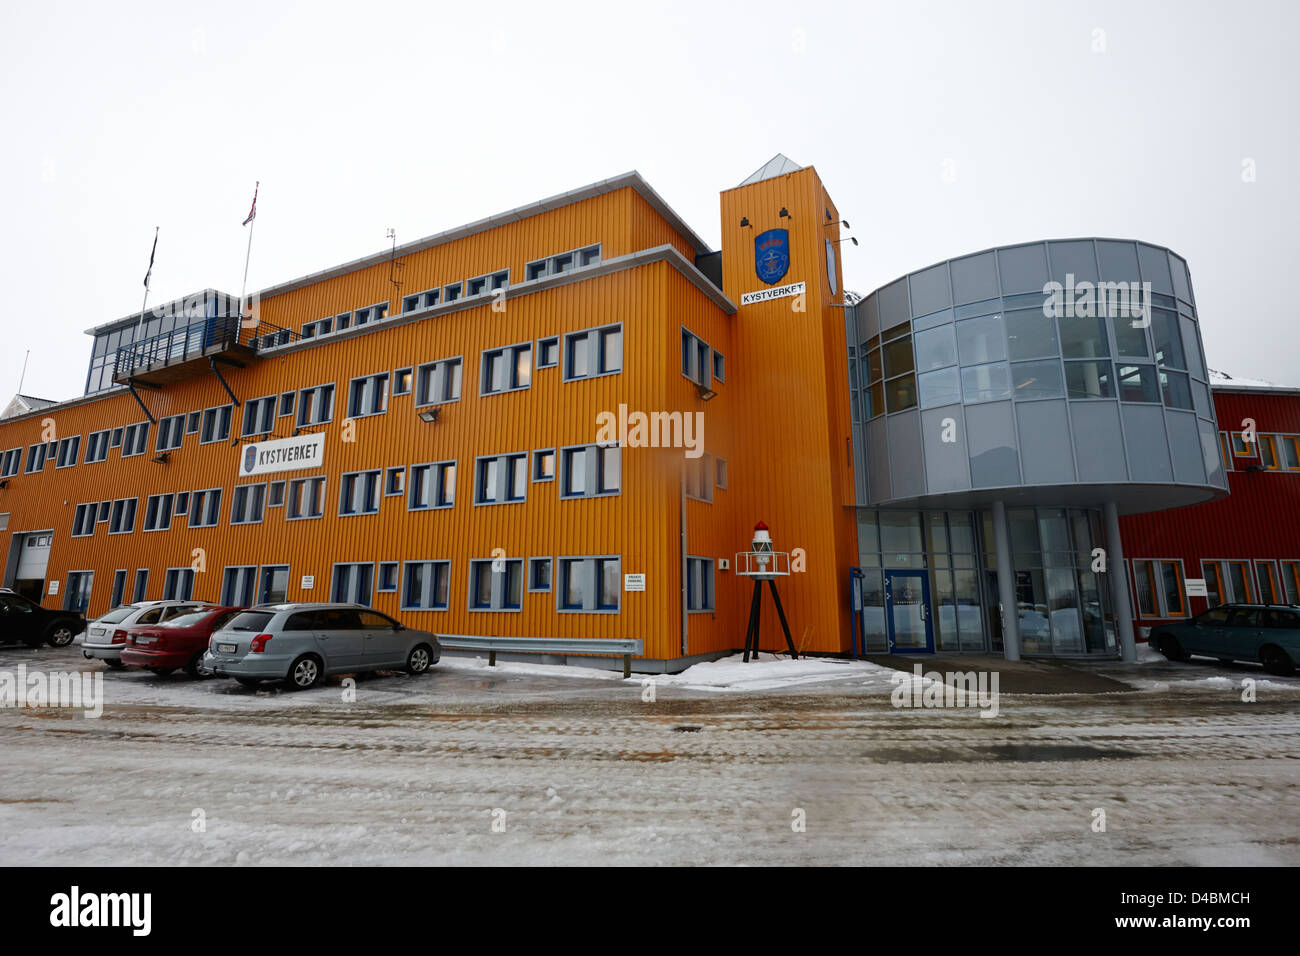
{"points": [[1265, 633]]}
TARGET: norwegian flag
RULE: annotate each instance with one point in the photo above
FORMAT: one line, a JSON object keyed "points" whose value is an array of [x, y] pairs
{"points": [[252, 213]]}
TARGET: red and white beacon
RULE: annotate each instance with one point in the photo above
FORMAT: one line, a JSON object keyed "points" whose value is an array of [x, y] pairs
{"points": [[763, 563]]}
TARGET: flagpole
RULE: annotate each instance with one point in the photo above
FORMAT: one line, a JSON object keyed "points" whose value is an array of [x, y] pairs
{"points": [[243, 289], [140, 325]]}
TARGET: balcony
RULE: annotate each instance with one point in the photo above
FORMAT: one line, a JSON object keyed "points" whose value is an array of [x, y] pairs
{"points": [[185, 352]]}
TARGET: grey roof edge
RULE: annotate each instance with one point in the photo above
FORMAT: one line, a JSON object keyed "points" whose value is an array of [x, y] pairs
{"points": [[135, 316], [1017, 245], [1254, 389], [631, 179]]}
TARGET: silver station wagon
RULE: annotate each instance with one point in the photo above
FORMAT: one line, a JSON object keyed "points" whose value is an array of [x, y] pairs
{"points": [[301, 644]]}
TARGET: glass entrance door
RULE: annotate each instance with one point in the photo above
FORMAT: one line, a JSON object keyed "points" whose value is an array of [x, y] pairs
{"points": [[907, 603]]}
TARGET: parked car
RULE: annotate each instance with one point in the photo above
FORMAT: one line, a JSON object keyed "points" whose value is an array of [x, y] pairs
{"points": [[179, 642], [1267, 633], [301, 644], [106, 636], [28, 622]]}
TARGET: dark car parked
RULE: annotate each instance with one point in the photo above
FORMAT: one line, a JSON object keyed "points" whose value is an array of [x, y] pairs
{"points": [[23, 620], [1266, 633], [176, 643]]}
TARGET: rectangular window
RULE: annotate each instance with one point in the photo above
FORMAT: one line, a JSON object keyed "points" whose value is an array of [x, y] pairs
{"points": [[1290, 448], [1137, 383], [368, 395], [216, 424], [544, 464], [76, 597], [591, 584], [539, 574], [402, 379], [421, 300], [306, 498], [316, 405], [353, 584], [394, 481], [507, 369], [695, 359], [589, 471], [96, 448], [68, 451], [178, 584], [699, 585], [171, 432], [83, 520], [237, 585], [122, 520], [13, 459], [1266, 575], [119, 589], [719, 366], [548, 352], [433, 485], [274, 588], [158, 512], [247, 504], [359, 493], [275, 494], [699, 477], [141, 585], [438, 382], [116, 441], [259, 415], [1229, 582], [135, 439], [105, 508], [593, 352], [192, 422], [387, 583], [496, 584], [450, 293], [205, 508], [36, 457], [288, 400], [500, 479], [1291, 581], [426, 585], [1268, 452]]}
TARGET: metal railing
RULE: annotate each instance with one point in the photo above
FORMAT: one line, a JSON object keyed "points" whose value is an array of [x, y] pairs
{"points": [[184, 342], [625, 647]]}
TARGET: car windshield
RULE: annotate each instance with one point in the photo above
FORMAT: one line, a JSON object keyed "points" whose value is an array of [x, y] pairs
{"points": [[250, 621], [188, 619], [119, 614]]}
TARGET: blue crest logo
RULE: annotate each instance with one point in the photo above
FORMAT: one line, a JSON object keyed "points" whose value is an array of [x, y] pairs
{"points": [[250, 458], [772, 255]]}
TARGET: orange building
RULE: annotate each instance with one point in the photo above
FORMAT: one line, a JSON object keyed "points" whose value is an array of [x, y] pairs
{"points": [[485, 432]]}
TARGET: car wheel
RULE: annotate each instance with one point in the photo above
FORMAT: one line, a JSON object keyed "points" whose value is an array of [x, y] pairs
{"points": [[305, 673], [114, 662], [161, 671], [1275, 661], [60, 635], [1170, 647], [249, 681], [417, 662]]}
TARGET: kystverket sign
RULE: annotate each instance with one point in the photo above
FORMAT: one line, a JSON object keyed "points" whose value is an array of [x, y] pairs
{"points": [[282, 454], [780, 292]]}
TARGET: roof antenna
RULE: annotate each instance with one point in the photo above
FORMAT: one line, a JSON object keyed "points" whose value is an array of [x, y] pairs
{"points": [[393, 264]]}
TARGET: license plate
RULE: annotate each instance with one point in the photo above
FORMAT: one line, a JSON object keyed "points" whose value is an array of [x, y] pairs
{"points": [[96, 631], [227, 648], [145, 640]]}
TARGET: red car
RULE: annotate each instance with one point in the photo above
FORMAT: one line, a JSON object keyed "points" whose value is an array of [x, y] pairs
{"points": [[177, 643]]}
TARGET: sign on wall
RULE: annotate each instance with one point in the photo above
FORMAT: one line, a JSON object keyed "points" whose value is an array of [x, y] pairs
{"points": [[1196, 587], [54, 587], [308, 582], [772, 255], [780, 292], [281, 454], [634, 582]]}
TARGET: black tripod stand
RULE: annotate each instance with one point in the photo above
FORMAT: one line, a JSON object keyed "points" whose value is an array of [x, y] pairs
{"points": [[755, 611]]}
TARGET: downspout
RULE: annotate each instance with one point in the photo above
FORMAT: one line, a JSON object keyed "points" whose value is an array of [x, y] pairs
{"points": [[682, 519]]}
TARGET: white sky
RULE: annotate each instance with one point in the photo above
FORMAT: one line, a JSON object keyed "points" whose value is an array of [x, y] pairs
{"points": [[423, 116]]}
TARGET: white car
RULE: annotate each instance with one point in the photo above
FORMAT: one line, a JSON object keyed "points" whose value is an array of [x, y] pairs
{"points": [[106, 636]]}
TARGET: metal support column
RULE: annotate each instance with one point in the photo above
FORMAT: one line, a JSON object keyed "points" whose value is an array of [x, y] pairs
{"points": [[1006, 584], [1119, 596]]}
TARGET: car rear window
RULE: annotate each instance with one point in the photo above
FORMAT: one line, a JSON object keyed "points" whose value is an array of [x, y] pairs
{"points": [[119, 614], [250, 621], [337, 619], [1283, 619], [188, 618]]}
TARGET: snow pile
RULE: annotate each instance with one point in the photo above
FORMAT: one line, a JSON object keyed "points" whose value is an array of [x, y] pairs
{"points": [[1233, 381], [770, 672]]}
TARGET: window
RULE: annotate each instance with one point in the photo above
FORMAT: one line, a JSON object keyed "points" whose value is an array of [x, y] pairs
{"points": [[306, 497], [259, 415], [13, 459], [986, 383], [451, 293], [368, 395], [122, 520], [36, 457], [1137, 383], [1291, 581], [544, 464], [359, 493], [119, 589], [68, 450], [1268, 452], [496, 584], [589, 584], [205, 508], [158, 512], [141, 585], [105, 508], [316, 405], [319, 327], [1228, 582], [1160, 590], [699, 585], [77, 595], [1030, 380], [437, 382], [216, 424], [274, 588], [387, 577], [548, 352], [1290, 451], [426, 585], [178, 584], [1089, 380], [421, 300], [237, 585], [116, 441], [275, 494], [539, 574], [480, 285], [83, 520], [352, 583], [507, 369], [171, 432], [247, 504], [1175, 389], [593, 352], [342, 321], [192, 422], [720, 472], [287, 402], [96, 448], [135, 439], [402, 378], [433, 485], [699, 477], [373, 313], [182, 502], [695, 359], [1266, 575], [589, 471], [500, 479], [562, 263], [394, 481]]}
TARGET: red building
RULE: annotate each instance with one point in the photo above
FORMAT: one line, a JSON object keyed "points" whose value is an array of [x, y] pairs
{"points": [[1246, 547]]}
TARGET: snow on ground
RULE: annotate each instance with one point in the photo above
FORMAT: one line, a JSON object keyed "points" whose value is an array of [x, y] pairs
{"points": [[770, 672]]}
